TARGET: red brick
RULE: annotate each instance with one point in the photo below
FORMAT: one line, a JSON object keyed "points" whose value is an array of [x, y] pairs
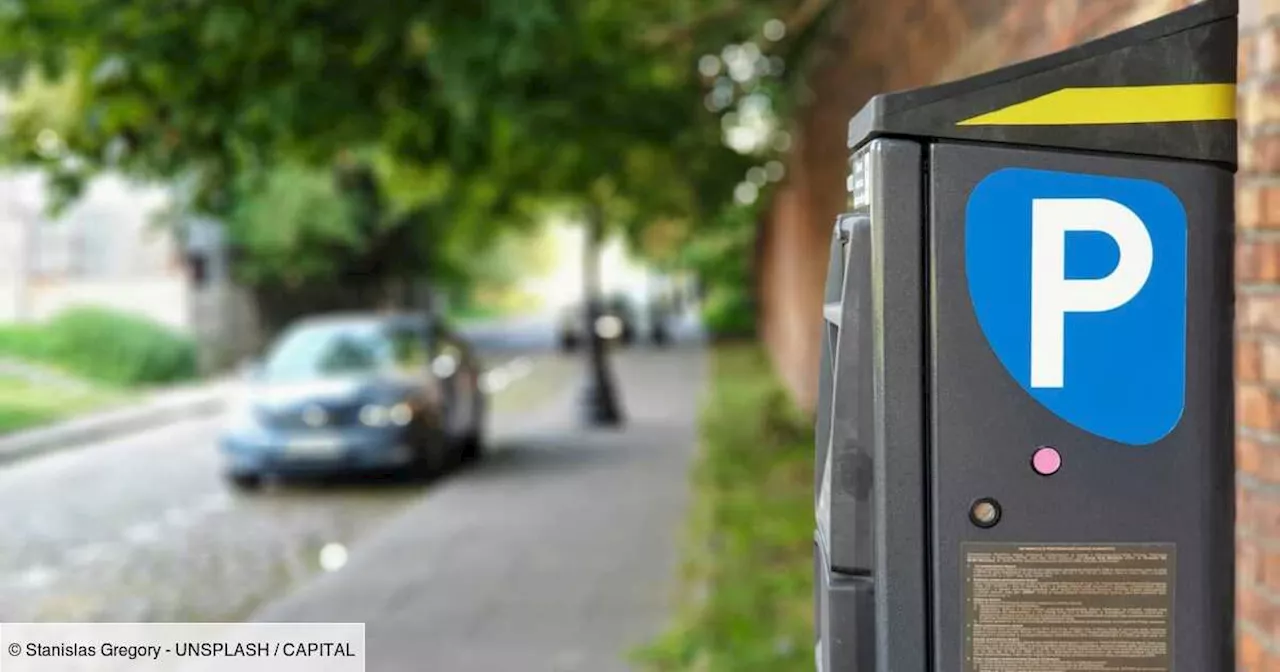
{"points": [[1249, 457], [1259, 312], [1269, 357], [1259, 459], [1251, 653], [1254, 407], [1248, 361], [1269, 463], [1249, 206], [1271, 570], [1254, 608], [1261, 516], [1258, 205], [1266, 152], [1267, 254], [1258, 261], [1270, 208], [1248, 563]]}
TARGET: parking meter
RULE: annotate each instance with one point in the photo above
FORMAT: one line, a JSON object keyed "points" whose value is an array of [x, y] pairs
{"points": [[1025, 425]]}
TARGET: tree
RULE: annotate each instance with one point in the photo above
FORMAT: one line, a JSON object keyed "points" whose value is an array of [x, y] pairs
{"points": [[471, 116], [509, 96]]}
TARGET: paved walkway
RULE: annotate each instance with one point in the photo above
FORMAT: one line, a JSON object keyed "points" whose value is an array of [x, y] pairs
{"points": [[557, 554]]}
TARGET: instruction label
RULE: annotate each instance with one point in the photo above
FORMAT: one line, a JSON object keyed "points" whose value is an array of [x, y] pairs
{"points": [[1068, 608]]}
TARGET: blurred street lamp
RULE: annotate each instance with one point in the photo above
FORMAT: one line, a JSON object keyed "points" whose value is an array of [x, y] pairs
{"points": [[598, 402]]}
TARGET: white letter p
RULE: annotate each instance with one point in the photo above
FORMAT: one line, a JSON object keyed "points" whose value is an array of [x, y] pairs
{"points": [[1053, 295]]}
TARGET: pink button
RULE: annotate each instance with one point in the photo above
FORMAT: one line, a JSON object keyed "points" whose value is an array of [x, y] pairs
{"points": [[1046, 461]]}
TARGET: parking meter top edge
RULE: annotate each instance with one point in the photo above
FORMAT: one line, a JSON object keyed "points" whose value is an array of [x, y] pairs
{"points": [[1163, 88]]}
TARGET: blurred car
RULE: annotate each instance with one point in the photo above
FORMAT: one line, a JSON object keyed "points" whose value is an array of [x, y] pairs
{"points": [[617, 322], [356, 392]]}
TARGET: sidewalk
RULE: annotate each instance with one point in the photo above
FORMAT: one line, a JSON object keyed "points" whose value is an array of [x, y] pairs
{"points": [[161, 407], [556, 554]]}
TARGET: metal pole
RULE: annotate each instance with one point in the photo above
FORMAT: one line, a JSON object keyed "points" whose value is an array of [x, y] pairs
{"points": [[599, 405]]}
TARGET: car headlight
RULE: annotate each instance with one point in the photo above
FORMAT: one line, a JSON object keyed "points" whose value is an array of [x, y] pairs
{"points": [[401, 414], [377, 415]]}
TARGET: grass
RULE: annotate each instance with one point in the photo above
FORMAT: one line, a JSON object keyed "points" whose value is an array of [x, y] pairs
{"points": [[747, 594], [24, 405], [491, 310], [467, 314]]}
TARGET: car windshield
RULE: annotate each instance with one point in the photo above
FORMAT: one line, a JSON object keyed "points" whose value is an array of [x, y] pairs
{"points": [[315, 352]]}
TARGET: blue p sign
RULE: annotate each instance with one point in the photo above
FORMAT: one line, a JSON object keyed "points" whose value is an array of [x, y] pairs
{"points": [[1079, 283]]}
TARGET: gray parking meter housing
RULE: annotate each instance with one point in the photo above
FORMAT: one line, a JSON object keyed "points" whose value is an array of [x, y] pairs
{"points": [[1025, 427]]}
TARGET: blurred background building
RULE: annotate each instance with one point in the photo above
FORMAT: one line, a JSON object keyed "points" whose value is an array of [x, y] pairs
{"points": [[106, 250]]}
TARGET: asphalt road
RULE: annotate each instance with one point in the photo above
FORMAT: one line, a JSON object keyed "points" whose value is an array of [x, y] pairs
{"points": [[144, 529]]}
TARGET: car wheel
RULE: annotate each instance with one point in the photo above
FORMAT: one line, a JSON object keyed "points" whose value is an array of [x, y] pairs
{"points": [[435, 455], [245, 482]]}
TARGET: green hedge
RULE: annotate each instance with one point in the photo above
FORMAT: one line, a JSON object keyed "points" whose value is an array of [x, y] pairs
{"points": [[729, 312], [106, 346], [748, 565]]}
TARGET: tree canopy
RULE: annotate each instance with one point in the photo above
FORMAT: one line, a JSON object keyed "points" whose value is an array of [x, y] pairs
{"points": [[470, 116]]}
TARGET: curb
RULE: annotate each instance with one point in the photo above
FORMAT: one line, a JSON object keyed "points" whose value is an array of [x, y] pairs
{"points": [[109, 425]]}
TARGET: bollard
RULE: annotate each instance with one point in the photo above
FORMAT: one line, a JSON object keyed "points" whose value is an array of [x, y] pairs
{"points": [[1025, 425]]}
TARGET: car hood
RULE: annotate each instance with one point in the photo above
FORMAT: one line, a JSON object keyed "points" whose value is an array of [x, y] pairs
{"points": [[340, 391]]}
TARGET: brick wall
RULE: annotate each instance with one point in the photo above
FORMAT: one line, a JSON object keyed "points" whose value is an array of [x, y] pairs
{"points": [[878, 46], [1258, 339]]}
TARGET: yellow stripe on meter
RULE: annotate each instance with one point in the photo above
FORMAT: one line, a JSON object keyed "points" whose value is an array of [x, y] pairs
{"points": [[1118, 105]]}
